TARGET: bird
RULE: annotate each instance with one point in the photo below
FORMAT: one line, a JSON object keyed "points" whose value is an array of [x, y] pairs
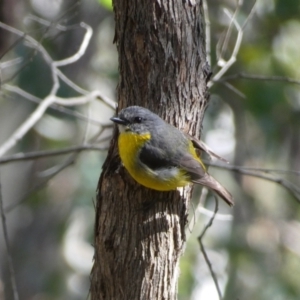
{"points": [[159, 156]]}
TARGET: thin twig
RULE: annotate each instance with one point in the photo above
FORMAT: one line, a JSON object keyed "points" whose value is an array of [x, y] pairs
{"points": [[88, 126], [70, 160], [196, 213], [257, 77], [50, 173], [250, 15], [27, 125], [233, 89], [38, 46], [45, 22], [81, 51], [48, 153], [220, 217], [50, 99], [54, 101], [235, 51], [109, 102], [54, 106], [75, 101], [201, 236], [10, 63], [289, 186], [263, 170], [12, 46], [229, 29], [8, 249]]}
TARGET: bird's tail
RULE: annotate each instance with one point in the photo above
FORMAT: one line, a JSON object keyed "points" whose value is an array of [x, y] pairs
{"points": [[213, 184]]}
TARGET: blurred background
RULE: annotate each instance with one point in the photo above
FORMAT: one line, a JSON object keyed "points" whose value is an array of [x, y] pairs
{"points": [[252, 121]]}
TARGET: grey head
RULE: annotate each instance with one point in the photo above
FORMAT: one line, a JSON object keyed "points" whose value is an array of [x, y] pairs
{"points": [[138, 119]]}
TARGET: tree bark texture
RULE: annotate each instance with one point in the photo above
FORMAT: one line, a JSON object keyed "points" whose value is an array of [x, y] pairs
{"points": [[163, 67]]}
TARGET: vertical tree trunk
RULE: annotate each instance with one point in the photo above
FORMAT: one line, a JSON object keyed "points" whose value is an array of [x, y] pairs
{"points": [[163, 67]]}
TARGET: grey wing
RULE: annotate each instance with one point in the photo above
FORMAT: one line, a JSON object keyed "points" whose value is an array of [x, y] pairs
{"points": [[155, 158], [199, 175], [193, 168]]}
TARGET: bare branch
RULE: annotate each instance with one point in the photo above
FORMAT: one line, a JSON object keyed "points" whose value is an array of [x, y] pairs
{"points": [[109, 102], [37, 115], [201, 236], [54, 106], [81, 50], [258, 77], [10, 63], [9, 256], [289, 186], [267, 170], [196, 214], [81, 100], [233, 89], [70, 160], [70, 83], [51, 98], [251, 14], [48, 153], [51, 101], [229, 30], [50, 173], [220, 217], [235, 51], [27, 125], [31, 41], [45, 22]]}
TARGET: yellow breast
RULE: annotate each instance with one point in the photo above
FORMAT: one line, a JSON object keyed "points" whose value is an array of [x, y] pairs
{"points": [[129, 147], [192, 151]]}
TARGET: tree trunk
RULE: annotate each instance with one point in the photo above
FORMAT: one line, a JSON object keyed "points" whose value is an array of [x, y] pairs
{"points": [[163, 67]]}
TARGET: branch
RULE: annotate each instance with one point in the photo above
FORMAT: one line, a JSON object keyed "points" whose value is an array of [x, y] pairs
{"points": [[9, 256], [81, 100], [229, 30], [196, 211], [235, 51], [27, 125], [81, 51], [225, 65], [38, 114], [10, 63], [201, 236], [109, 102], [220, 217], [48, 153], [54, 106], [258, 77], [70, 160], [233, 89], [289, 186], [51, 98], [251, 14]]}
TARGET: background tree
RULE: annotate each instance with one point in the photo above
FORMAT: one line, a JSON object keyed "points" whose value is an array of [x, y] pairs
{"points": [[252, 120]]}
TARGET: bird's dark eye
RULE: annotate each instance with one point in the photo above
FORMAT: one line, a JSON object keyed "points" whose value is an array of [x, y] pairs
{"points": [[137, 120]]}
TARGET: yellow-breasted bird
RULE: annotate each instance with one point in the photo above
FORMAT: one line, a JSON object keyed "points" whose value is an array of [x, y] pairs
{"points": [[158, 155]]}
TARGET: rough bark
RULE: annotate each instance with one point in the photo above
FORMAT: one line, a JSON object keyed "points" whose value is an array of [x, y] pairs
{"points": [[162, 67]]}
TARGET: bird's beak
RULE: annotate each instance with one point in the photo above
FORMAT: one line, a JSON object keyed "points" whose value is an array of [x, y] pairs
{"points": [[119, 121]]}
